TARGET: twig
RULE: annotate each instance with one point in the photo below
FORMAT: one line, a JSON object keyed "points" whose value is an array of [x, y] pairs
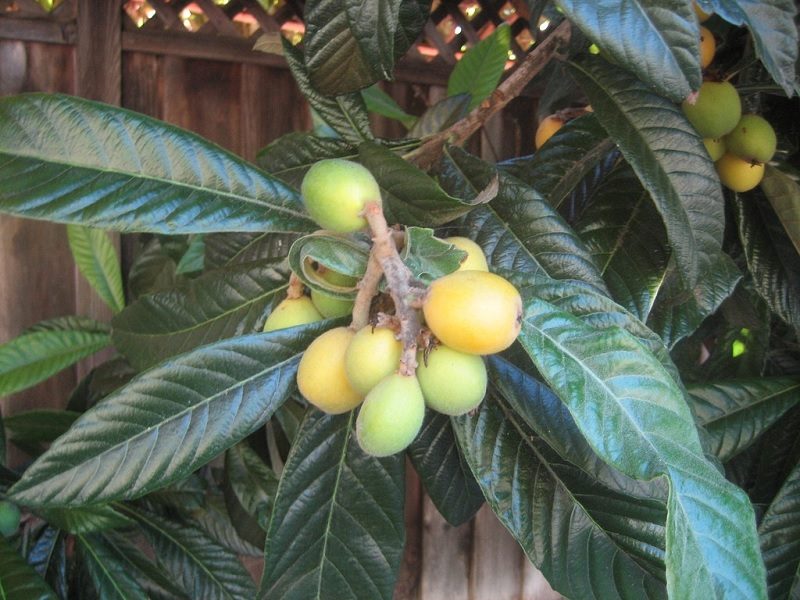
{"points": [[427, 154], [367, 289], [406, 295], [296, 288]]}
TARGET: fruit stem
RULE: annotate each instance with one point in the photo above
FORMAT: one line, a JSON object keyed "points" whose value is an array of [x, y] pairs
{"points": [[296, 288], [367, 290], [427, 154], [406, 292]]}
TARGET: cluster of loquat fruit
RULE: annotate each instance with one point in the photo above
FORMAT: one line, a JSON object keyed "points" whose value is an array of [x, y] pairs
{"points": [[468, 313]]}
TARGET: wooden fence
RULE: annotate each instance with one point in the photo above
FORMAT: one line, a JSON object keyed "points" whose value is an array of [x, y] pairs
{"points": [[211, 82]]}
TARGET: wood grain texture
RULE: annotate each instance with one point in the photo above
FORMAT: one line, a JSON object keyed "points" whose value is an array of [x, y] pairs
{"points": [[408, 580], [446, 557], [496, 571]]}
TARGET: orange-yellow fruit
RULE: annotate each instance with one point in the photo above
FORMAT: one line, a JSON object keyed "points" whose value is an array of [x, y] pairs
{"points": [[708, 46], [715, 147], [546, 129], [373, 354], [738, 174], [292, 312], [702, 15], [476, 259], [321, 375], [391, 415], [753, 138], [452, 382], [476, 312]]}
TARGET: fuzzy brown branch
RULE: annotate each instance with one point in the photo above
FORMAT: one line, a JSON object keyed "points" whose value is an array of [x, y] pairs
{"points": [[427, 154], [367, 289], [406, 295]]}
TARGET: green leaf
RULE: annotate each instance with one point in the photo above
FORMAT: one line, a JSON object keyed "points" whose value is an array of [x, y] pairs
{"points": [[168, 421], [18, 579], [154, 269], [780, 542], [230, 249], [783, 194], [250, 487], [3, 458], [47, 555], [381, 103], [202, 568], [346, 113], [337, 529], [634, 415], [341, 253], [193, 260], [217, 305], [588, 541], [441, 115], [556, 169], [39, 425], [33, 357], [291, 155], [519, 230], [350, 45], [446, 477], [97, 261], [410, 196], [655, 39], [75, 161], [771, 258], [775, 35], [735, 413], [667, 156], [110, 577], [215, 520], [479, 70], [427, 256], [84, 520]]}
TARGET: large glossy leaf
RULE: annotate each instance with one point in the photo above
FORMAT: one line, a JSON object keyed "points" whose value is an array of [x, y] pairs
{"points": [[47, 555], [410, 196], [230, 249], [18, 579], [441, 115], [97, 260], [291, 155], [480, 69], [36, 355], [656, 39], [667, 156], [75, 161], [337, 528], [556, 169], [218, 305], [626, 236], [346, 114], [216, 521], [110, 576], [39, 425], [168, 421], [446, 477], [250, 488], [771, 258], [86, 519], [193, 260], [736, 413], [155, 267], [780, 538], [589, 541], [340, 253], [783, 194], [350, 45], [202, 568], [519, 230], [771, 25], [381, 103], [634, 415], [429, 257]]}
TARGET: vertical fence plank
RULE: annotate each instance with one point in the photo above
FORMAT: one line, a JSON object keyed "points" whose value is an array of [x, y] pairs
{"points": [[407, 587], [445, 557], [534, 585], [496, 560]]}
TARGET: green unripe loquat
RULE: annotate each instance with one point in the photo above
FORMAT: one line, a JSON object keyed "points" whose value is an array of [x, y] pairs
{"points": [[336, 278], [373, 354], [753, 138], [452, 382], [335, 191], [716, 110], [715, 147], [321, 375], [9, 518], [329, 306], [391, 415], [476, 259], [292, 312], [738, 174]]}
